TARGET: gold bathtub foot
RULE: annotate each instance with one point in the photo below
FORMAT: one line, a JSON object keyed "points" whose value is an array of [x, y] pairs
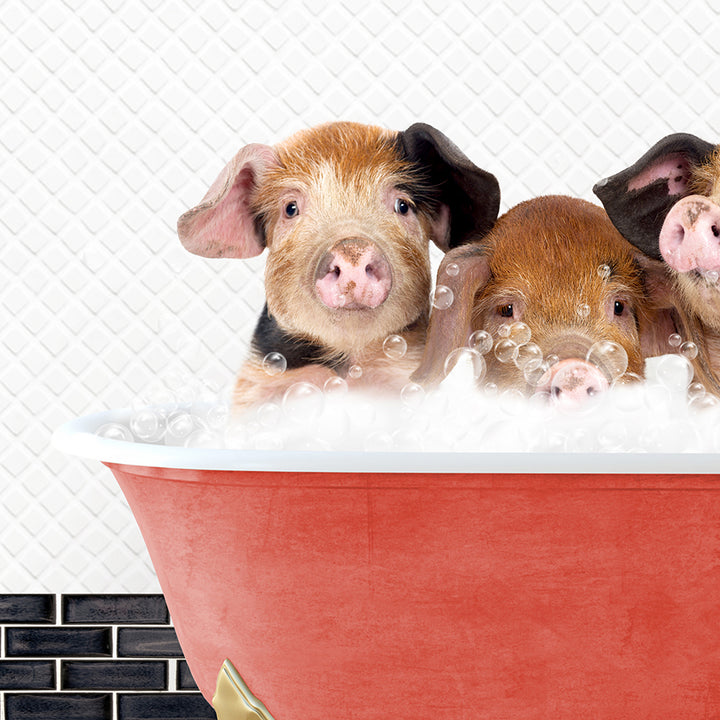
{"points": [[233, 699]]}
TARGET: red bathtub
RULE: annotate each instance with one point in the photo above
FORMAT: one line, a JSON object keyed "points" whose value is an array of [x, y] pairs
{"points": [[435, 585]]}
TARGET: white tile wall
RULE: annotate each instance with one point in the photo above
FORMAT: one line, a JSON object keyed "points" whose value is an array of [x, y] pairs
{"points": [[116, 115]]}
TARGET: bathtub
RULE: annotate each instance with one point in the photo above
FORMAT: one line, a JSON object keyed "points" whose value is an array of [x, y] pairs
{"points": [[433, 585]]}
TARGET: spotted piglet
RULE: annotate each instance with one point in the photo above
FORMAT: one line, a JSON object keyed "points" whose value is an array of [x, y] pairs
{"points": [[346, 212], [667, 204]]}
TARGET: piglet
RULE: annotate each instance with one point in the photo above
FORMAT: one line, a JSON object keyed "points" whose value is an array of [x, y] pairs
{"points": [[346, 212], [667, 204], [570, 305]]}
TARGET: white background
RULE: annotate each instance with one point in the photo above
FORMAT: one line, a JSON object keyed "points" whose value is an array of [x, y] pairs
{"points": [[115, 117]]}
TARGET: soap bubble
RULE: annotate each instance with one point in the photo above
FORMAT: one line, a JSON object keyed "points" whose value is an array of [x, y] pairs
{"points": [[504, 330], [689, 350], [114, 431], [443, 297], [202, 438], [695, 389], [355, 372], [179, 425], [675, 340], [481, 340], [160, 397], [552, 359], [536, 374], [674, 372], [529, 356], [394, 347], [452, 269], [609, 357], [302, 402], [268, 414], [707, 401], [412, 394], [506, 350], [469, 359], [519, 333], [711, 276], [145, 424], [604, 271], [583, 310], [512, 402], [216, 416], [335, 386], [274, 363]]}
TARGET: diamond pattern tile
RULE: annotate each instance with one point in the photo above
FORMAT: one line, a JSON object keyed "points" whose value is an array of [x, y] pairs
{"points": [[116, 116]]}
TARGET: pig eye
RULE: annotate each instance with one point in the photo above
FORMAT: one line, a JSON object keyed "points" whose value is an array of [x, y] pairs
{"points": [[619, 307], [506, 311], [291, 209], [402, 207]]}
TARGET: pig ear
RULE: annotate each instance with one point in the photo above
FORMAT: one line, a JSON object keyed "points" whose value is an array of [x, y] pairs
{"points": [[450, 327], [468, 194], [638, 198], [658, 318], [665, 315], [223, 224]]}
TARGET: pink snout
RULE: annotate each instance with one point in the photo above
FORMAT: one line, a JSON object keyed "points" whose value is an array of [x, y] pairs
{"points": [[690, 235], [574, 381], [353, 275]]}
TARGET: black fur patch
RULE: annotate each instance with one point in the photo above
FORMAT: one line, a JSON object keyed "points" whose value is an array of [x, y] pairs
{"points": [[270, 337]]}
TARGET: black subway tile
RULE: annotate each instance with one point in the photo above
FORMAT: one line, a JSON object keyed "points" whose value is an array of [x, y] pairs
{"points": [[115, 609], [27, 609], [185, 680], [27, 675], [67, 706], [166, 706], [148, 642], [58, 642], [116, 675]]}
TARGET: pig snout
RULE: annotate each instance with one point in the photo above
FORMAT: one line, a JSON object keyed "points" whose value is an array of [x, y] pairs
{"points": [[690, 235], [353, 274], [573, 381]]}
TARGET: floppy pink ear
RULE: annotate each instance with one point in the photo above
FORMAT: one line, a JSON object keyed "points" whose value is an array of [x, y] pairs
{"points": [[223, 224]]}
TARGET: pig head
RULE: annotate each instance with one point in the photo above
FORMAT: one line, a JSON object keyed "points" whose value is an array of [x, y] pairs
{"points": [[584, 295], [346, 213], [667, 204]]}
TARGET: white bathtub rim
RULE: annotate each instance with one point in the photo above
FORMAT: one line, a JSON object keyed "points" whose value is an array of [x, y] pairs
{"points": [[77, 438]]}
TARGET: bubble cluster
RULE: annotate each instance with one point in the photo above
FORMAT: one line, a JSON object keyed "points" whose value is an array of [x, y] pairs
{"points": [[668, 410]]}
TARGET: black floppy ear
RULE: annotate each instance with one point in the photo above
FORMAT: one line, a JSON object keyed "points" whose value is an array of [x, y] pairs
{"points": [[639, 198], [470, 194]]}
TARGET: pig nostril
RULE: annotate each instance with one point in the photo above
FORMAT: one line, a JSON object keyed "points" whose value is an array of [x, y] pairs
{"points": [[556, 392], [715, 231], [591, 391], [335, 271]]}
